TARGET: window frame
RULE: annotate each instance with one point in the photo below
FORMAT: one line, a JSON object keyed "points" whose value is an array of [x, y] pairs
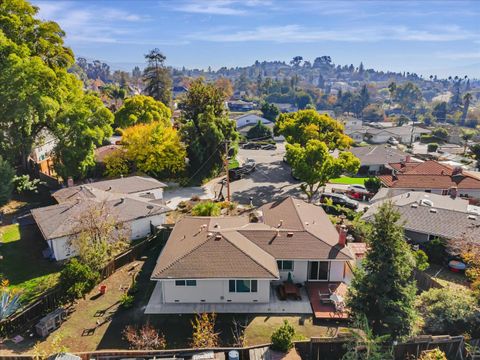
{"points": [[184, 283], [252, 286], [281, 267]]}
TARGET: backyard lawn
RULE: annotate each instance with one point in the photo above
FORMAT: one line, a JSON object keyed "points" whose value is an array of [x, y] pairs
{"points": [[23, 264], [349, 180]]}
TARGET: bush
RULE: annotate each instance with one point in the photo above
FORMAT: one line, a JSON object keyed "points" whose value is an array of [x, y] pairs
{"points": [[432, 147], [434, 354], [207, 208], [23, 184], [6, 181], [448, 311], [373, 184], [282, 337], [421, 259], [77, 279], [126, 301], [145, 338], [435, 250], [259, 131]]}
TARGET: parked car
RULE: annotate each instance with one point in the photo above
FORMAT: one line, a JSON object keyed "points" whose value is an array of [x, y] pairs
{"points": [[251, 145], [339, 199], [392, 141], [269, 147], [358, 189]]}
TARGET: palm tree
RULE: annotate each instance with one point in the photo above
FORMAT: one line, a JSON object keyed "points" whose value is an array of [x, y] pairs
{"points": [[466, 104], [466, 136]]}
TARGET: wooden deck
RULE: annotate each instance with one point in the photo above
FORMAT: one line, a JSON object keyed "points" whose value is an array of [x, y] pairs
{"points": [[325, 311]]}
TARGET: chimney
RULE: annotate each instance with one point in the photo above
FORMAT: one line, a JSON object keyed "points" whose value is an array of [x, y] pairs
{"points": [[342, 235], [70, 182]]}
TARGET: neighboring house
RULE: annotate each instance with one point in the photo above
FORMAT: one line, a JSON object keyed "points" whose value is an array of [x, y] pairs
{"points": [[103, 152], [434, 177], [357, 135], [286, 107], [404, 134], [250, 120], [136, 202], [426, 216], [375, 159], [240, 105], [232, 260], [178, 91], [351, 123], [42, 152]]}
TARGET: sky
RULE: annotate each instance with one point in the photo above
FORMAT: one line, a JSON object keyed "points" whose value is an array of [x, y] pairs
{"points": [[427, 37]]}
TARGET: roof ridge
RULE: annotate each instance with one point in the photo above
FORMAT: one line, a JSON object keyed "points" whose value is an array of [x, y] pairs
{"points": [[187, 253], [296, 211], [259, 248]]}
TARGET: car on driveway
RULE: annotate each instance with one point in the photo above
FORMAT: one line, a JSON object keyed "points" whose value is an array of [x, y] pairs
{"points": [[251, 145], [339, 199], [269, 147], [358, 189], [393, 141]]}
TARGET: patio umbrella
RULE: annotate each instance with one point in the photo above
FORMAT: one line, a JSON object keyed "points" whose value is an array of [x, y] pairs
{"points": [[290, 280]]}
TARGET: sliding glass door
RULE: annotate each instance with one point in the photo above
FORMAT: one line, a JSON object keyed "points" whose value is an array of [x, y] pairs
{"points": [[318, 270]]}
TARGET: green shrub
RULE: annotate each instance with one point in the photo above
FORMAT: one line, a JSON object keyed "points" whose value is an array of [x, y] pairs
{"points": [[282, 337], [435, 249], [206, 208], [77, 279], [24, 185], [434, 354], [259, 131], [449, 311], [432, 147], [126, 301], [421, 259], [373, 184]]}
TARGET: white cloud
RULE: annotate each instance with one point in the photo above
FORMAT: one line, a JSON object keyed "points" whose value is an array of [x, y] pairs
{"points": [[298, 33], [213, 7], [460, 56]]}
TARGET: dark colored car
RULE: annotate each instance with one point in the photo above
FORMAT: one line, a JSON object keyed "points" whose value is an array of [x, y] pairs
{"points": [[339, 199], [251, 145], [269, 147]]}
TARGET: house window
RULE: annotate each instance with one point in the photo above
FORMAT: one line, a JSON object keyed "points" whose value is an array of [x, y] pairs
{"points": [[185, 282], [242, 286], [318, 270], [285, 265]]}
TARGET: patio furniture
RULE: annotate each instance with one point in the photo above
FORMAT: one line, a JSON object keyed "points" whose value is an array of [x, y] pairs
{"points": [[338, 302], [292, 290], [456, 266], [324, 298], [281, 293]]}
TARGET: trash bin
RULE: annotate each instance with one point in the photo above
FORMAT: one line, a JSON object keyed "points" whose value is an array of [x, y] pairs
{"points": [[233, 355], [102, 289]]}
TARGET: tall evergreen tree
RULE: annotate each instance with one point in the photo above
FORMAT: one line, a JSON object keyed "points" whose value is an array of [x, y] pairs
{"points": [[6, 181], [383, 289], [158, 82]]}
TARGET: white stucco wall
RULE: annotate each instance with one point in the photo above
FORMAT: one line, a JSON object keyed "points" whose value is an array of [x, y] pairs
{"points": [[300, 271], [213, 291], [139, 228], [250, 119], [336, 270]]}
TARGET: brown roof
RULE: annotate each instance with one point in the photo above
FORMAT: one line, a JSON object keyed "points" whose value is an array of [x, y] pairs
{"points": [[125, 185], [103, 151], [245, 249]]}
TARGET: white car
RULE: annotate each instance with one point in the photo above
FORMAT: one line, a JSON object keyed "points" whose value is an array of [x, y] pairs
{"points": [[393, 141], [358, 188]]}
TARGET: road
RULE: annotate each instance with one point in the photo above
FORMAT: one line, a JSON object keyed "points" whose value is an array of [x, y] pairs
{"points": [[270, 181]]}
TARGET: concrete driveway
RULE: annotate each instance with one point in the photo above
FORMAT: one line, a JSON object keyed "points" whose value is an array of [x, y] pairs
{"points": [[270, 181]]}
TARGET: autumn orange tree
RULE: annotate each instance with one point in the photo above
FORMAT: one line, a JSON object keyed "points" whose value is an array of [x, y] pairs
{"points": [[144, 338]]}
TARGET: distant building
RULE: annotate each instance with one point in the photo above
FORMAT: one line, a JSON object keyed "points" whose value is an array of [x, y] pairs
{"points": [[403, 134], [178, 91], [42, 152], [375, 159], [241, 106], [250, 120], [286, 107]]}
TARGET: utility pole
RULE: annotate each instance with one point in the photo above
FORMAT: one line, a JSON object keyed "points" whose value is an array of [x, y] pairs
{"points": [[226, 169]]}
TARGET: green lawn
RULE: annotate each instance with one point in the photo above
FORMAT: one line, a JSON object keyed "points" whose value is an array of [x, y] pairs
{"points": [[23, 264], [349, 180]]}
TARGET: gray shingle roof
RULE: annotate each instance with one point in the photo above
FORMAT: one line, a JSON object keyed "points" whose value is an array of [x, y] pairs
{"points": [[378, 155]]}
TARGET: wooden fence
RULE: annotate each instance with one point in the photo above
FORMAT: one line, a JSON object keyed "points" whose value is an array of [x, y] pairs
{"points": [[44, 303], [313, 349], [425, 282]]}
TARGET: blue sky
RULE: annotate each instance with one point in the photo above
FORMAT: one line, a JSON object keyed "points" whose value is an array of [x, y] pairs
{"points": [[427, 37]]}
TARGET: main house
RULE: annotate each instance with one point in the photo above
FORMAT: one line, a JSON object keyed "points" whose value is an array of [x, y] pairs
{"points": [[237, 260], [136, 202], [432, 176]]}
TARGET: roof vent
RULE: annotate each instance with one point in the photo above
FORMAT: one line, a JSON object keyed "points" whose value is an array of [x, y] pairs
{"points": [[216, 226], [109, 188], [426, 202], [280, 224], [218, 237], [414, 205], [306, 223], [472, 217], [434, 211], [210, 234], [289, 234]]}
